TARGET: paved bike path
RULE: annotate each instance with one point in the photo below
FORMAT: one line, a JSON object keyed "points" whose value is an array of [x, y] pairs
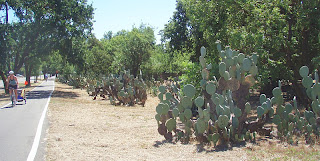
{"points": [[19, 125]]}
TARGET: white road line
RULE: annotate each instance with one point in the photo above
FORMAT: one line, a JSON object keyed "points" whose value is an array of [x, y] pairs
{"points": [[36, 141]]}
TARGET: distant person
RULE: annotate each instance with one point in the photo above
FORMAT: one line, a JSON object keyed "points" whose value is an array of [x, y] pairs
{"points": [[12, 84], [46, 77]]}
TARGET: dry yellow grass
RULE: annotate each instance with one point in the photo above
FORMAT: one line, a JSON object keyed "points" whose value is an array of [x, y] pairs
{"points": [[84, 129]]}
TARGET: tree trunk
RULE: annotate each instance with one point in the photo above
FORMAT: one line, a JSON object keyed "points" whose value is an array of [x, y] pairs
{"points": [[7, 13], [4, 80], [28, 69]]}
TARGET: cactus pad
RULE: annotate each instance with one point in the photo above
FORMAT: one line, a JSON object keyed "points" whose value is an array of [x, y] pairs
{"points": [[189, 90], [263, 98], [235, 122], [188, 113], [211, 88], [246, 66], [223, 121], [203, 51], [199, 101], [304, 71], [200, 126], [175, 112], [186, 102], [237, 112], [162, 89], [260, 111], [171, 124], [307, 82]]}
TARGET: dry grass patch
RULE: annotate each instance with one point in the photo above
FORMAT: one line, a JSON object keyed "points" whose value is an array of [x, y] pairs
{"points": [[86, 129]]}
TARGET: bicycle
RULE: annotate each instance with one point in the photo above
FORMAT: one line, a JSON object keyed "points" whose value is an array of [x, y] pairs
{"points": [[12, 98]]}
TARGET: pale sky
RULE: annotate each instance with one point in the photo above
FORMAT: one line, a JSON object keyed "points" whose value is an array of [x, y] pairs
{"points": [[115, 15]]}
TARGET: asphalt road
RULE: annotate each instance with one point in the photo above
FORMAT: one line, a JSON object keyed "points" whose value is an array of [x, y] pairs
{"points": [[19, 125]]}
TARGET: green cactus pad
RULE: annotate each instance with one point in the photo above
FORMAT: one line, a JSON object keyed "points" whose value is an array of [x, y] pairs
{"points": [[206, 115], [223, 121], [288, 107], [199, 101], [222, 54], [189, 90], [162, 89], [237, 112], [316, 106], [157, 117], [200, 126], [254, 70], [182, 117], [168, 96], [186, 102], [171, 124], [246, 66], [247, 107], [277, 120], [188, 113], [277, 92], [235, 122], [260, 111], [229, 62], [241, 57], [222, 68], [211, 88], [215, 138], [255, 58], [200, 111], [175, 112], [219, 45], [165, 108], [229, 52], [304, 71], [159, 108], [180, 107], [203, 51], [307, 82], [263, 98], [226, 75], [202, 61], [209, 66]]}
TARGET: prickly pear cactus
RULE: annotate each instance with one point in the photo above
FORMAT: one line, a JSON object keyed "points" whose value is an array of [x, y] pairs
{"points": [[221, 108], [122, 89]]}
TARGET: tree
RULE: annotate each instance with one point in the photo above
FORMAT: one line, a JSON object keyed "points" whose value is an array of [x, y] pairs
{"points": [[56, 25]]}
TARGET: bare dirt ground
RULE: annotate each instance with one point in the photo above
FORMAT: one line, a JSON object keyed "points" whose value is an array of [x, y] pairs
{"points": [[84, 129]]}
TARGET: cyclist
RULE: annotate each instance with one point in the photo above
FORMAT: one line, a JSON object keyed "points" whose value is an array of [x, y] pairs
{"points": [[12, 84]]}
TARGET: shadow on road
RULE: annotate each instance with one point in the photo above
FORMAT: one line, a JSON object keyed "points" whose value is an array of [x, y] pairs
{"points": [[38, 94]]}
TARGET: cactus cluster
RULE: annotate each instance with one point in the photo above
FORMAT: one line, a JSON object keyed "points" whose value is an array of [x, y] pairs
{"points": [[221, 114], [221, 109], [122, 89]]}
